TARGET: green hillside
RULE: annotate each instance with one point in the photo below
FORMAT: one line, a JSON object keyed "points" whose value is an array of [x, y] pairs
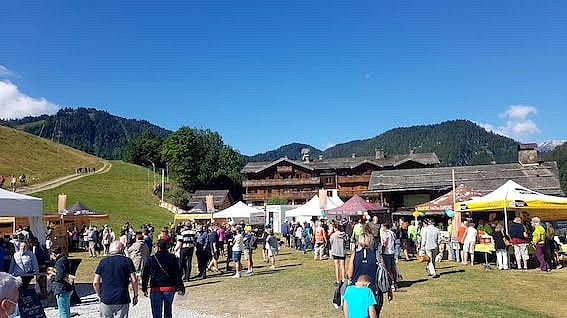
{"points": [[124, 193], [559, 154], [456, 143], [39, 159], [90, 130]]}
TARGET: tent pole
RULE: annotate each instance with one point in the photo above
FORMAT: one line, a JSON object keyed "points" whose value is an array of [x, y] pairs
{"points": [[506, 212]]}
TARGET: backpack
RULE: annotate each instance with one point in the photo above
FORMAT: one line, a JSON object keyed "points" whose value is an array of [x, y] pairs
{"points": [[382, 278], [253, 241], [339, 295]]}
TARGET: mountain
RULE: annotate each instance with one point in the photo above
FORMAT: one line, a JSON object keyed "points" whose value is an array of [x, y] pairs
{"points": [[456, 143], [549, 145], [90, 130], [559, 154], [292, 151]]}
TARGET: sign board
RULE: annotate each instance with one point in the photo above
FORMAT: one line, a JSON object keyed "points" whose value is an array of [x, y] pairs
{"points": [[30, 305]]}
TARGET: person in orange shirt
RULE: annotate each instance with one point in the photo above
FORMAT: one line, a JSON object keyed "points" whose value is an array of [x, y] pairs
{"points": [[461, 236], [320, 241]]}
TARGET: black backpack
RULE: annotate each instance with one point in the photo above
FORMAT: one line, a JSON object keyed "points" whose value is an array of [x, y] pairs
{"points": [[253, 241]]}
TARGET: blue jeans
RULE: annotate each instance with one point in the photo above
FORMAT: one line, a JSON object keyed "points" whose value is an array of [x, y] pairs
{"points": [[64, 304], [161, 302], [453, 252]]}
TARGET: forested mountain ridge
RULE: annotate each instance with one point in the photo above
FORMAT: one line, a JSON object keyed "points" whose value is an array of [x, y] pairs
{"points": [[559, 154], [292, 151], [456, 143], [90, 130]]}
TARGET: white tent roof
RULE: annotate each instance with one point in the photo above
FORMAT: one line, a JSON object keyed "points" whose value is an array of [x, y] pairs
{"points": [[238, 210], [311, 208], [15, 204]]}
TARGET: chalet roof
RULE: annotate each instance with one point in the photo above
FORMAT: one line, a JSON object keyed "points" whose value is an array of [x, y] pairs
{"points": [[543, 178], [201, 195], [347, 162]]}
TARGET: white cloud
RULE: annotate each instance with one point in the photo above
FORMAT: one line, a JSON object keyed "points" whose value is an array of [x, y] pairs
{"points": [[15, 104], [5, 72], [519, 112], [516, 123]]}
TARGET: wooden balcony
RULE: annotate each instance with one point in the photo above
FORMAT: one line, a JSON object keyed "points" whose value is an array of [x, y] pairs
{"points": [[281, 182], [353, 179], [293, 195]]}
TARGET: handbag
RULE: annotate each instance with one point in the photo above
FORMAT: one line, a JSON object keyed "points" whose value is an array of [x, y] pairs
{"points": [[178, 287]]}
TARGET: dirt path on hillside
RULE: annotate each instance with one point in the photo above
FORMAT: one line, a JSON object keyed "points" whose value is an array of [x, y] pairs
{"points": [[60, 181]]}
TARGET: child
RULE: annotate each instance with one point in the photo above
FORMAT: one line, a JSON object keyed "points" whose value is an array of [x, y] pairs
{"points": [[359, 300]]}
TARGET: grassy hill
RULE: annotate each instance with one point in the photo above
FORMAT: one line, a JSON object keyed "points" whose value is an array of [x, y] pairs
{"points": [[39, 159], [124, 193]]}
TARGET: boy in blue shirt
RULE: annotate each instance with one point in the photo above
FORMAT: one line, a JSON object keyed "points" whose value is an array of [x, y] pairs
{"points": [[359, 300]]}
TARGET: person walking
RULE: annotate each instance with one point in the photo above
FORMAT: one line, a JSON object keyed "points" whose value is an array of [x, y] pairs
{"points": [[338, 241], [430, 244], [359, 301], [163, 275], [186, 244], [112, 277], [519, 240], [320, 241], [388, 251], [202, 250], [538, 240], [250, 244], [237, 248], [62, 284], [364, 261], [286, 232], [272, 246], [139, 253]]}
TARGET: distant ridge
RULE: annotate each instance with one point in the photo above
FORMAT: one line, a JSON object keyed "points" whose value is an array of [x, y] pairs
{"points": [[93, 131], [456, 143]]}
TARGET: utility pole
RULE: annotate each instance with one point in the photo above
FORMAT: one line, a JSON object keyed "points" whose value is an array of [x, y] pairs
{"points": [[162, 183]]}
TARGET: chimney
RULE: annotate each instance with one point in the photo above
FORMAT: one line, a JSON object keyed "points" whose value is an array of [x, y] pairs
{"points": [[353, 155], [527, 154], [320, 157], [379, 153], [305, 154]]}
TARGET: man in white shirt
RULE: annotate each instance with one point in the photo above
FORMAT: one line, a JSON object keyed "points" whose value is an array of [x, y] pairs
{"points": [[430, 244], [24, 263]]}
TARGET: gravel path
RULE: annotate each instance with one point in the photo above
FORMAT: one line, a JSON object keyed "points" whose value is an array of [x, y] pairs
{"points": [[89, 307]]}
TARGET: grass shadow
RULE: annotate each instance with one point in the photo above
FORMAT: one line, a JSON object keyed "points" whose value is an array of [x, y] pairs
{"points": [[203, 283], [409, 283], [452, 272]]}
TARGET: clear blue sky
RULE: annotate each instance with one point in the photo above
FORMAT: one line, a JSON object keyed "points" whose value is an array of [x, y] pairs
{"points": [[266, 73]]}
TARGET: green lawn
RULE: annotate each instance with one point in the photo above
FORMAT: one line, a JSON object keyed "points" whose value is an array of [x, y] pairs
{"points": [[124, 193], [301, 287]]}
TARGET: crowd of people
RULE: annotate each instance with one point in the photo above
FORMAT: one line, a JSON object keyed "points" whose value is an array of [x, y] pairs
{"points": [[22, 180], [364, 255]]}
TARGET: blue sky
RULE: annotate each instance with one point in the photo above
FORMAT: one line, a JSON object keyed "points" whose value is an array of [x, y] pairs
{"points": [[267, 73]]}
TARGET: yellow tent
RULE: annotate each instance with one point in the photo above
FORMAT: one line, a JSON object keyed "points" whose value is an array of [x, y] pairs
{"points": [[519, 198]]}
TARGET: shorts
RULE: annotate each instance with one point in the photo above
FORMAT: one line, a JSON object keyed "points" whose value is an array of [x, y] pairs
{"points": [[521, 251], [248, 253], [236, 256], [338, 257], [468, 246], [319, 249], [389, 261], [272, 252]]}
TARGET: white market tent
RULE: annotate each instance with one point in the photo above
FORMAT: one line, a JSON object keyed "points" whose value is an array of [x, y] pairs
{"points": [[313, 208], [21, 205], [241, 211], [516, 197]]}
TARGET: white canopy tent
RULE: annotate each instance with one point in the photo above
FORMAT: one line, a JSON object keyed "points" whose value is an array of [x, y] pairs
{"points": [[21, 205], [313, 208], [241, 211]]}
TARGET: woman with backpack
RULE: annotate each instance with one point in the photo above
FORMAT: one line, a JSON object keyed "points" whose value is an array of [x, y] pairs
{"points": [[365, 261], [338, 252]]}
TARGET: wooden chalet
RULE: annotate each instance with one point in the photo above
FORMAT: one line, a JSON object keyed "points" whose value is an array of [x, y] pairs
{"points": [[409, 187], [299, 180], [221, 198]]}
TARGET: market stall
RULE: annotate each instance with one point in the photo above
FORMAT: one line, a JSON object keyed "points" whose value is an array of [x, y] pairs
{"points": [[15, 205]]}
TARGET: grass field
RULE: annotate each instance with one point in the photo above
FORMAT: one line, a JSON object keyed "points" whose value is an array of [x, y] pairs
{"points": [[301, 287], [38, 158], [124, 193]]}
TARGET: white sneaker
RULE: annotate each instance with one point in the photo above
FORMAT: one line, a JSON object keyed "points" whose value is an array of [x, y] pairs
{"points": [[237, 275], [250, 273], [272, 267]]}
